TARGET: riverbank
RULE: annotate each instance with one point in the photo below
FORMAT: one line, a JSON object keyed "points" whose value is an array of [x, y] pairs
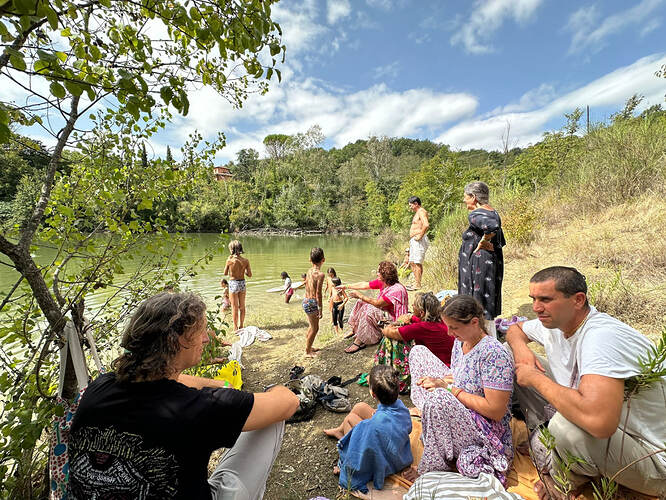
{"points": [[620, 250]]}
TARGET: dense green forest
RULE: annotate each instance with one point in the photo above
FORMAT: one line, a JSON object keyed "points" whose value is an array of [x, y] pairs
{"points": [[363, 186]]}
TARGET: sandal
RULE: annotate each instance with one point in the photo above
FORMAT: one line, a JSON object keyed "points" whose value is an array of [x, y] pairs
{"points": [[350, 349]]}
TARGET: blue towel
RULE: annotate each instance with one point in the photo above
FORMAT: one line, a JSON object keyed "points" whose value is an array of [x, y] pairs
{"points": [[376, 448]]}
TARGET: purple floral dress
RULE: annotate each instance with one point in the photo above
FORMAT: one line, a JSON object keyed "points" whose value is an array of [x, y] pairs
{"points": [[455, 437]]}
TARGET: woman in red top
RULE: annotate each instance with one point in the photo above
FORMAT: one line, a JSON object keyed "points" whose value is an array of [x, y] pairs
{"points": [[425, 328]]}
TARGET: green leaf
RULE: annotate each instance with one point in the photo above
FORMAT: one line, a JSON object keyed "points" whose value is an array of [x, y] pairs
{"points": [[57, 90], [52, 18], [65, 210], [146, 204], [67, 32], [16, 60], [74, 88]]}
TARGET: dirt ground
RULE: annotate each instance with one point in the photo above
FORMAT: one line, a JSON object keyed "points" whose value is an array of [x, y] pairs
{"points": [[304, 466]]}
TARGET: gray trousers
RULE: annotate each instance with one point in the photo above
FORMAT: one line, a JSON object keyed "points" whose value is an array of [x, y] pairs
{"points": [[243, 470], [602, 456]]}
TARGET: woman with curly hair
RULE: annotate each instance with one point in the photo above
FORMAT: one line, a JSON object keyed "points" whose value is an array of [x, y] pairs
{"points": [[148, 429], [367, 313]]}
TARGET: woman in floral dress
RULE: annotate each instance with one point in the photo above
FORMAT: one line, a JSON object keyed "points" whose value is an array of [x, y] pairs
{"points": [[481, 260], [465, 409]]}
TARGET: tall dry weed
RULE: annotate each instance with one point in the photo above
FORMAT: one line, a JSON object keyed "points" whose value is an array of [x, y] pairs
{"points": [[621, 161], [442, 258]]}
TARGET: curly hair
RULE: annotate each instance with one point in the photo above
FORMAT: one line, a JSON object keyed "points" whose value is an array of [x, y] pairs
{"points": [[428, 304], [389, 272], [151, 337]]}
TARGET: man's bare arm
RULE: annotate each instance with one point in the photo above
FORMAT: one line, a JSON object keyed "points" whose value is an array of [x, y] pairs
{"points": [[518, 340], [423, 217], [594, 407], [201, 382], [248, 271]]}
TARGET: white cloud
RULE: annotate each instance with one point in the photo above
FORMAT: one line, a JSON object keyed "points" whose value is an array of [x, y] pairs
{"points": [[486, 18], [344, 117], [388, 70], [650, 26], [527, 127], [588, 33], [300, 29], [381, 4], [336, 10]]}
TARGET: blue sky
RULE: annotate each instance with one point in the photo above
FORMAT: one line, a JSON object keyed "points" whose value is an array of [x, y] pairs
{"points": [[453, 72]]}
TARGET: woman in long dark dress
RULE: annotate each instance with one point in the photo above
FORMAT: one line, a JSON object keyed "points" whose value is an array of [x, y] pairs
{"points": [[480, 261]]}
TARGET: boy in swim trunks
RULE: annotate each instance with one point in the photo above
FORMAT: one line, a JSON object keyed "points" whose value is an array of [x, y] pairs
{"points": [[237, 267], [312, 303]]}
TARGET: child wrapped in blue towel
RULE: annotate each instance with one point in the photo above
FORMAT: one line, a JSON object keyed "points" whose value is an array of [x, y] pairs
{"points": [[374, 444]]}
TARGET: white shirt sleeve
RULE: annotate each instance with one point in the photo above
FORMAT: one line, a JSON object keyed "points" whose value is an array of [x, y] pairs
{"points": [[612, 351], [535, 331]]}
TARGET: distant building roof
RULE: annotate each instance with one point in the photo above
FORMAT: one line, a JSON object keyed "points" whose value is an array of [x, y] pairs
{"points": [[222, 173]]}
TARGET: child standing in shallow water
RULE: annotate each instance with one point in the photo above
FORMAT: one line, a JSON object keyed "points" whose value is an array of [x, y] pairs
{"points": [[288, 290], [312, 303], [237, 267]]}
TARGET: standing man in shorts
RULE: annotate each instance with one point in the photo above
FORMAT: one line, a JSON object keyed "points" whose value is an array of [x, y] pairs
{"points": [[418, 243]]}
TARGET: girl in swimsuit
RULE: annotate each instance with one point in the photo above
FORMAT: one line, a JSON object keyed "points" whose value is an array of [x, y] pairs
{"points": [[237, 267], [288, 290]]}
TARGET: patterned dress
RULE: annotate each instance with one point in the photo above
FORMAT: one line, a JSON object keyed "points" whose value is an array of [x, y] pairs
{"points": [[455, 437], [364, 317], [480, 273]]}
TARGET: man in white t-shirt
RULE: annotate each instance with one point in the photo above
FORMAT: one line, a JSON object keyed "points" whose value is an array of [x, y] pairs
{"points": [[580, 386]]}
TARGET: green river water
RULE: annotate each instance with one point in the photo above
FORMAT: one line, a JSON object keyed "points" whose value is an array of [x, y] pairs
{"points": [[354, 258]]}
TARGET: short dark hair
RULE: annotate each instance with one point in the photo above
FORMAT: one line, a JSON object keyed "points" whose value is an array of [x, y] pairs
{"points": [[414, 199], [330, 270], [151, 339], [224, 280], [384, 384], [568, 280], [316, 255], [389, 272]]}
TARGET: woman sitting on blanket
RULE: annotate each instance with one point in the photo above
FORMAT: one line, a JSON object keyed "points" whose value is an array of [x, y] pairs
{"points": [[425, 328], [368, 312], [465, 409]]}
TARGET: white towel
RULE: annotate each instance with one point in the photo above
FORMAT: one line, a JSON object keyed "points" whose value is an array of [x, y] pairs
{"points": [[250, 333]]}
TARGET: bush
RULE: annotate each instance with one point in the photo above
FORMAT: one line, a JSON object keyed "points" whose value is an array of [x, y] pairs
{"points": [[520, 219]]}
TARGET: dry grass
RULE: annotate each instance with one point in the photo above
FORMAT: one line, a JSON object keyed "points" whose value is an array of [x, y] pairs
{"points": [[621, 251]]}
